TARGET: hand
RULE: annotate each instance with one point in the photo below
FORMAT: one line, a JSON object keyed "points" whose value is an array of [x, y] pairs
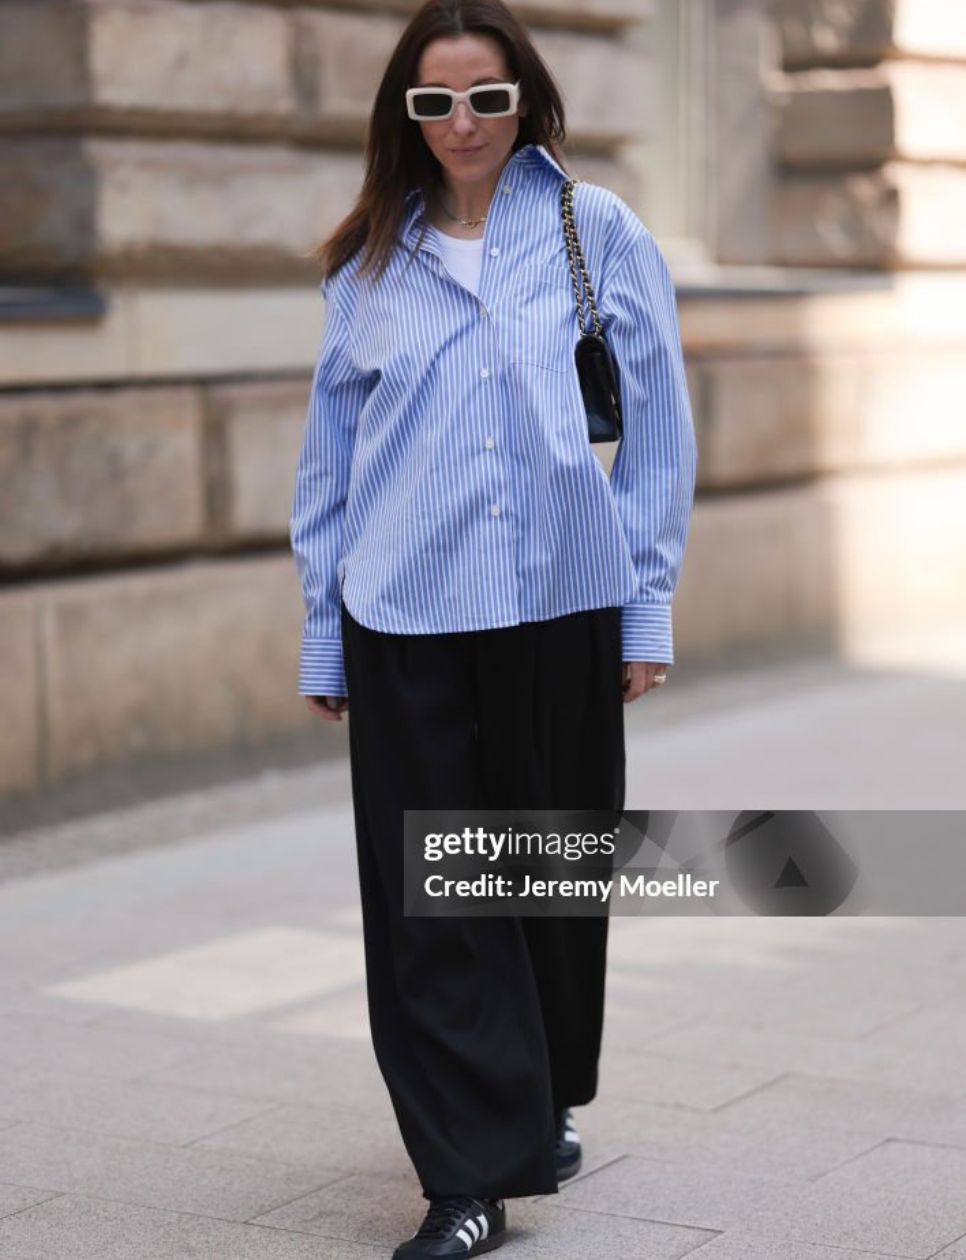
{"points": [[638, 677], [329, 707]]}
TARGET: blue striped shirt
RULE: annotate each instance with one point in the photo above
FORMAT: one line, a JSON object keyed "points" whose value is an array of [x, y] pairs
{"points": [[446, 481]]}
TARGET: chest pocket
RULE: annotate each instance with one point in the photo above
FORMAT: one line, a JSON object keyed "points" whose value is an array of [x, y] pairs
{"points": [[545, 325]]}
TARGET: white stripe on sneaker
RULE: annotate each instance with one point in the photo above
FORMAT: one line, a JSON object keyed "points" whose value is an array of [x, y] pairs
{"points": [[484, 1224], [472, 1225], [461, 1233]]}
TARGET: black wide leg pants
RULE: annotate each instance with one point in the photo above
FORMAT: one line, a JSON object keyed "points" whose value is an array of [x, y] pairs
{"points": [[482, 1027]]}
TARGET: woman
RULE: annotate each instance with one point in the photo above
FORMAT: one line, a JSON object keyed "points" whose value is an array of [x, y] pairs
{"points": [[476, 587]]}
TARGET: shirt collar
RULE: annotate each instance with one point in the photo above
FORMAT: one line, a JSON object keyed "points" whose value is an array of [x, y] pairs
{"points": [[527, 155]]}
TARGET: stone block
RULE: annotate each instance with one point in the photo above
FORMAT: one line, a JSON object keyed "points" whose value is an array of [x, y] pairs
{"points": [[900, 542], [583, 13], [42, 59], [830, 32], [227, 68], [769, 419], [110, 206], [254, 437], [591, 14], [812, 564], [340, 58], [620, 177], [146, 64], [860, 117], [901, 215], [99, 471], [603, 84], [756, 572], [152, 332], [162, 662], [20, 686]]}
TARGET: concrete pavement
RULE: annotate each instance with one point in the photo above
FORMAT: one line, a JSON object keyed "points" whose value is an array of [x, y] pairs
{"points": [[185, 1061]]}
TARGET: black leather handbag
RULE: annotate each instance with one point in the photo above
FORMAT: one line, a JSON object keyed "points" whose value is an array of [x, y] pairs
{"points": [[596, 367]]}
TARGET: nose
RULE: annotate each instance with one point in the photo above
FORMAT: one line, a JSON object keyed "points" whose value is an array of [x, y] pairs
{"points": [[464, 120]]}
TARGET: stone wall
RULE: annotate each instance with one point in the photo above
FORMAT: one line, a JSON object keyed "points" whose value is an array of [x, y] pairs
{"points": [[869, 133], [164, 167], [181, 139]]}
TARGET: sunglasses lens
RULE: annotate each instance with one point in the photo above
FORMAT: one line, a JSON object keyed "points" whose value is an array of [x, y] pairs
{"points": [[491, 101], [432, 104]]}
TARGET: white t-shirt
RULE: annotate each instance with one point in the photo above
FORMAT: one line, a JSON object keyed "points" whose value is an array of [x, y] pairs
{"points": [[463, 259]]}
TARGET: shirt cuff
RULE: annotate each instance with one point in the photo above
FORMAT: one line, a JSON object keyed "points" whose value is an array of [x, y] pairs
{"points": [[646, 633], [321, 669]]}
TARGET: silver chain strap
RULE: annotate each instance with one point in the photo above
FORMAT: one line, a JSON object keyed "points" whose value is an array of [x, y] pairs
{"points": [[576, 257]]}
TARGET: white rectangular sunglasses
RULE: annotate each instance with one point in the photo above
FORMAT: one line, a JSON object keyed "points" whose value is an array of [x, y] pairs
{"points": [[486, 100]]}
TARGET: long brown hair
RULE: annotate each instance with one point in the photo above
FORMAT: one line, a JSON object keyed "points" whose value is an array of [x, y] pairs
{"points": [[398, 158]]}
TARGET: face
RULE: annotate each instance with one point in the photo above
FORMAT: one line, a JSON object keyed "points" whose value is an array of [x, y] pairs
{"points": [[468, 148]]}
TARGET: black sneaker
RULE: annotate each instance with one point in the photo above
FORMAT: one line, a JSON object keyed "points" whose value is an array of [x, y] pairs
{"points": [[568, 1146], [456, 1225]]}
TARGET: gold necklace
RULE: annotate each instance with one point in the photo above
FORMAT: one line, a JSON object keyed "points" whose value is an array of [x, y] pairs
{"points": [[470, 223]]}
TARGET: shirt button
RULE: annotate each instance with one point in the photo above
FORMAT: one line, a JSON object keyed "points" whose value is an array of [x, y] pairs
{"points": [[489, 443], [495, 509], [506, 188], [483, 311], [484, 372], [494, 250]]}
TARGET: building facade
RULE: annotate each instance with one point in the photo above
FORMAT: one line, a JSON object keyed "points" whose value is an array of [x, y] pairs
{"points": [[165, 165]]}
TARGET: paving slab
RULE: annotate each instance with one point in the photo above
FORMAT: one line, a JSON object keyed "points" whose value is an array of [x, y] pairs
{"points": [[284, 1069], [935, 1066], [681, 1082], [239, 973], [14, 1199], [880, 1110], [536, 1229], [362, 1207], [309, 1134], [929, 1029], [185, 1062], [901, 1198], [955, 1250], [800, 1152], [740, 1244], [672, 1194], [79, 1228], [210, 1183], [158, 1113], [85, 1050]]}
